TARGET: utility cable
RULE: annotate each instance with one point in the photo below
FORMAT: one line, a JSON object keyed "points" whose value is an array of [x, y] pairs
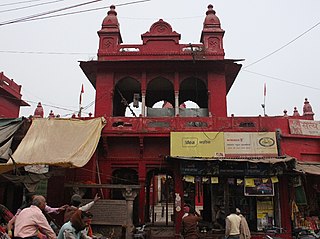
{"points": [[46, 13], [40, 16], [270, 54], [30, 6], [15, 3], [286, 81], [83, 11]]}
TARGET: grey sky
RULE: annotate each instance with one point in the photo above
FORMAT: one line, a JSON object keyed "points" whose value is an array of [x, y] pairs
{"points": [[254, 29]]}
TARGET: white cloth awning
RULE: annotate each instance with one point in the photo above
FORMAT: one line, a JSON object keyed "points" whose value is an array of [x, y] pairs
{"points": [[57, 141]]}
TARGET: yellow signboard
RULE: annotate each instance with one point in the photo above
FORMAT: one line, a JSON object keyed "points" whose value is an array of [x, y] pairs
{"points": [[197, 144], [250, 144]]}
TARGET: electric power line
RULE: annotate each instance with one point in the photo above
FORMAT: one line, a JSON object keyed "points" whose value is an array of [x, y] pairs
{"points": [[82, 11], [53, 106], [296, 38], [46, 13], [15, 3], [286, 81], [30, 6], [39, 16]]}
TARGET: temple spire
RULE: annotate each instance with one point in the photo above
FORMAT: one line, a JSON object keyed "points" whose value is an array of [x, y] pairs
{"points": [[212, 34], [110, 36]]}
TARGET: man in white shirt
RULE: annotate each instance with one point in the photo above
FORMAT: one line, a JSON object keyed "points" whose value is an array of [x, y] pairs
{"points": [[233, 225]]}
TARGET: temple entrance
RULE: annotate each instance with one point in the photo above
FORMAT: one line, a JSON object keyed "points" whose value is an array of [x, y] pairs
{"points": [[159, 198]]}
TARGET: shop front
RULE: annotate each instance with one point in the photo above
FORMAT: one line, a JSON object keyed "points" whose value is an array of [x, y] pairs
{"points": [[305, 198], [243, 170], [252, 185]]}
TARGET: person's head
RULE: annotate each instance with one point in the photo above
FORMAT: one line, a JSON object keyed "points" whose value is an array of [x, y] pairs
{"points": [[77, 220], [238, 211], [39, 201], [233, 210], [75, 200], [186, 208]]}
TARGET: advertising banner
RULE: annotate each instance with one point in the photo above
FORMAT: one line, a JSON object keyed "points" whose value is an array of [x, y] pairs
{"points": [[304, 127], [196, 144], [250, 144]]}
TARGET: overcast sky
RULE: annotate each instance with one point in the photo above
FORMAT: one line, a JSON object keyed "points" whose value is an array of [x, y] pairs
{"points": [[283, 36]]}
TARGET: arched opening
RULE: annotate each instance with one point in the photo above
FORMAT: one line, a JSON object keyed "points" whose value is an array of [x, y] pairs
{"points": [[160, 90], [126, 176], [126, 91], [195, 92]]}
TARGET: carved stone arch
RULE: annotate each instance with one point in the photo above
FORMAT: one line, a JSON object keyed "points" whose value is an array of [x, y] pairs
{"points": [[158, 89], [194, 89], [124, 91]]}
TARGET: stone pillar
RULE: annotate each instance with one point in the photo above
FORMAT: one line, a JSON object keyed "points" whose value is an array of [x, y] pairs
{"points": [[143, 104], [176, 102], [129, 194]]}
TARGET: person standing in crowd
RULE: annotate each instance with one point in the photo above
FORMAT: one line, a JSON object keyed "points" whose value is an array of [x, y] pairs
{"points": [[244, 228], [27, 203], [186, 210], [190, 222], [74, 229], [233, 225], [75, 205], [31, 220], [5, 214], [219, 217], [5, 217]]}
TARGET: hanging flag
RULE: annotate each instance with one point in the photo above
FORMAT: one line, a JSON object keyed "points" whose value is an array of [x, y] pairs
{"points": [[82, 91], [265, 89]]}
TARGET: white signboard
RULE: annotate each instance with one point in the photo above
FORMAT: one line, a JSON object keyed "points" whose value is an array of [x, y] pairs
{"points": [[250, 144], [304, 127]]}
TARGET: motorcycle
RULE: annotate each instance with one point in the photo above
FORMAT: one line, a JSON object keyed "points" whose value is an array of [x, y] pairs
{"points": [[300, 233]]}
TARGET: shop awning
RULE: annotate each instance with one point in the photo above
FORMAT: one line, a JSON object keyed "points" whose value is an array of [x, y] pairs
{"points": [[8, 127], [57, 141], [242, 166], [271, 160], [308, 167]]}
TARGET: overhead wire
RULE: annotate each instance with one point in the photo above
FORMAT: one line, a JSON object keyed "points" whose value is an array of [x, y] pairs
{"points": [[41, 16], [286, 81], [44, 104], [82, 11], [30, 6], [15, 3], [46, 13], [285, 45]]}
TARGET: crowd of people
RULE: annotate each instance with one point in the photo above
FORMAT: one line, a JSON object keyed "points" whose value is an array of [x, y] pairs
{"points": [[31, 220], [236, 226]]}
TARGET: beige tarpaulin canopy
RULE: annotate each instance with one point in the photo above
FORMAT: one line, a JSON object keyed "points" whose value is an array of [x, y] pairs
{"points": [[59, 142], [308, 167]]}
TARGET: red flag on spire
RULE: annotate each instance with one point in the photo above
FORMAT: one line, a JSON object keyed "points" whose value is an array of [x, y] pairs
{"points": [[82, 91]]}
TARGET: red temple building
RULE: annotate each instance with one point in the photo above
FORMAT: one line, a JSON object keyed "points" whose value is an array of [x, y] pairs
{"points": [[168, 153], [10, 98]]}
